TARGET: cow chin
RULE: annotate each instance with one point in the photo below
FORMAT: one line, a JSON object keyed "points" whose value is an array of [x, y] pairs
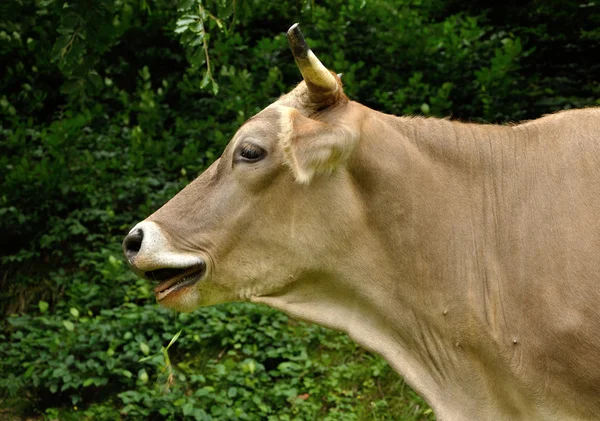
{"points": [[184, 300]]}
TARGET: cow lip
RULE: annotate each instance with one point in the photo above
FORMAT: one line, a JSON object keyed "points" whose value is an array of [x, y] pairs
{"points": [[187, 277]]}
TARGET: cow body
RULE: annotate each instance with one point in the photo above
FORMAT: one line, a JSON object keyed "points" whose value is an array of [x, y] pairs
{"points": [[467, 255], [483, 245]]}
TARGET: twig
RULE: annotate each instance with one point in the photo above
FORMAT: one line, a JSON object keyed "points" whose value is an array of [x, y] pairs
{"points": [[67, 47], [221, 354], [232, 17], [202, 11], [207, 58]]}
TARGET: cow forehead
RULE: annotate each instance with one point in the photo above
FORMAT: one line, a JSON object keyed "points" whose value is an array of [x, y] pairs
{"points": [[264, 125]]}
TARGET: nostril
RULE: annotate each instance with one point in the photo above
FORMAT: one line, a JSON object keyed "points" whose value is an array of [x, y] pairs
{"points": [[133, 243]]}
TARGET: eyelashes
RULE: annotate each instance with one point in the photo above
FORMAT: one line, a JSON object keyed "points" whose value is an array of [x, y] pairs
{"points": [[251, 153]]}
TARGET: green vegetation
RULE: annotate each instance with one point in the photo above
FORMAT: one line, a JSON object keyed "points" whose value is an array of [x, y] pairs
{"points": [[108, 108]]}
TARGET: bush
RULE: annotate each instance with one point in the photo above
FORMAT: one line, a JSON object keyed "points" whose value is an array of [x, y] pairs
{"points": [[245, 350]]}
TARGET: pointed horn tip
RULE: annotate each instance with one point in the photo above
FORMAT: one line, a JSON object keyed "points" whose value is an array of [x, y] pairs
{"points": [[293, 27], [297, 42]]}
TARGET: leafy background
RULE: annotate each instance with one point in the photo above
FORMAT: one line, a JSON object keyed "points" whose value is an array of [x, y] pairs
{"points": [[108, 108]]}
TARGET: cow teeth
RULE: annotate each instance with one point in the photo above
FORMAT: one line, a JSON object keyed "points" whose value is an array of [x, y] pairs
{"points": [[185, 278]]}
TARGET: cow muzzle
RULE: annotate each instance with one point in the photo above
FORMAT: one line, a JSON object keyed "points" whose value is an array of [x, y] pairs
{"points": [[151, 256]]}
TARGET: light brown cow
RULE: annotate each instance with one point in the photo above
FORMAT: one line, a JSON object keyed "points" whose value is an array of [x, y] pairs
{"points": [[467, 255]]}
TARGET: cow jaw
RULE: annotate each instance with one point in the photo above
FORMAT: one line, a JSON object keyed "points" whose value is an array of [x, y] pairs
{"points": [[183, 299]]}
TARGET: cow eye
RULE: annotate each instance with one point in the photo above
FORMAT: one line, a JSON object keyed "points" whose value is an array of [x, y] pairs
{"points": [[251, 152]]}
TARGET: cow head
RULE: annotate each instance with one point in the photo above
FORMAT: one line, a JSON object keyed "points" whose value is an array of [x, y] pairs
{"points": [[274, 213]]}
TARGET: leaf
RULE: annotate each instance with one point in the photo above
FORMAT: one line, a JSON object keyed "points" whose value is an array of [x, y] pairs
{"points": [[114, 261], [145, 73], [197, 27], [197, 40], [174, 339], [205, 80], [74, 312], [185, 4], [289, 366], [43, 306], [187, 409], [145, 348], [143, 376], [71, 86], [69, 325], [96, 80], [198, 58], [29, 371], [226, 9], [186, 21]]}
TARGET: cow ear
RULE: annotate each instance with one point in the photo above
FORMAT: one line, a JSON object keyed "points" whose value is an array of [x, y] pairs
{"points": [[313, 147]]}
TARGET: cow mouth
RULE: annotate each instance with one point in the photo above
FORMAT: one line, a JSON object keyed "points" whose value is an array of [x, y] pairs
{"points": [[174, 279]]}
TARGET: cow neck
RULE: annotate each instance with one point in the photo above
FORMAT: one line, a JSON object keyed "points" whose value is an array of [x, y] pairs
{"points": [[433, 189], [412, 278]]}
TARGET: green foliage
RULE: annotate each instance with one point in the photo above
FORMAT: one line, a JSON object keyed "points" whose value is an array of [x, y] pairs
{"points": [[108, 108], [194, 21], [254, 364]]}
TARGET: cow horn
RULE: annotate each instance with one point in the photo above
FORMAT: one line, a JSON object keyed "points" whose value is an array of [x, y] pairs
{"points": [[320, 81]]}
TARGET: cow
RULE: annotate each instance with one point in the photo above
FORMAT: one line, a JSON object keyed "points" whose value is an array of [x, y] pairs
{"points": [[467, 255]]}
